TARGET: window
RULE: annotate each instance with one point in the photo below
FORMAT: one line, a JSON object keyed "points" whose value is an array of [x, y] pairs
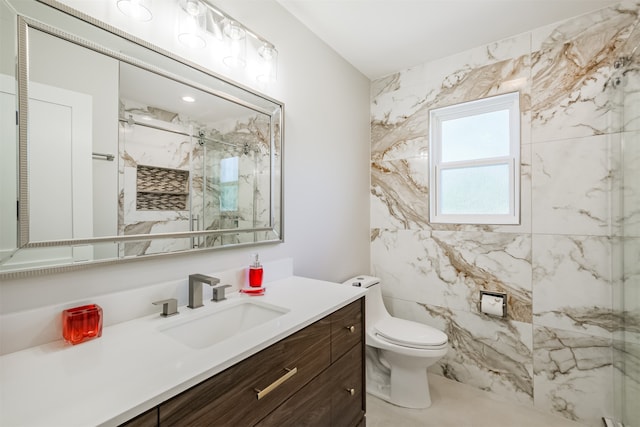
{"points": [[229, 184], [474, 159]]}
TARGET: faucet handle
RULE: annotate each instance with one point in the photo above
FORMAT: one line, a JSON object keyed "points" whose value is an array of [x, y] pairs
{"points": [[218, 292], [169, 306]]}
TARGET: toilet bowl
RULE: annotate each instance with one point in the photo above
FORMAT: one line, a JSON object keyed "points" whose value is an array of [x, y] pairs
{"points": [[404, 347]]}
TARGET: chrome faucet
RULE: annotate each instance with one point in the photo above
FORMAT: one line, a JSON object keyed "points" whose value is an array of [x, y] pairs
{"points": [[195, 288]]}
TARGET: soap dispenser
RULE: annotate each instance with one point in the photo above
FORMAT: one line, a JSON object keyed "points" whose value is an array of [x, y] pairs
{"points": [[255, 272]]}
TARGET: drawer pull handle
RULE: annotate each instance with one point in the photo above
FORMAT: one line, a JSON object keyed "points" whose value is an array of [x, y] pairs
{"points": [[262, 393], [351, 329], [351, 391]]}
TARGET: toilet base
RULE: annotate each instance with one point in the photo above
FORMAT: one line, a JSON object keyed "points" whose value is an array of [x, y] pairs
{"points": [[410, 388], [405, 385]]}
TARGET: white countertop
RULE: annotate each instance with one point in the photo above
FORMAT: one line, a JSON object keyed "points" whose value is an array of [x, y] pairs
{"points": [[134, 366]]}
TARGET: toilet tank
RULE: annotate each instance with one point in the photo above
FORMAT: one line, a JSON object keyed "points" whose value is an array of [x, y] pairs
{"points": [[374, 306]]}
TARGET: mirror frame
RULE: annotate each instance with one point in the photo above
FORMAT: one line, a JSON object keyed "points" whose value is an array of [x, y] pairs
{"points": [[276, 225]]}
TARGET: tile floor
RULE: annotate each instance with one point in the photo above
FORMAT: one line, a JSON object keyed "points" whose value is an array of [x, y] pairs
{"points": [[459, 405]]}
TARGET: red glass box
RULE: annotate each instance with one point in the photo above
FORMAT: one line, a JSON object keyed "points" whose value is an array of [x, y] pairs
{"points": [[83, 323]]}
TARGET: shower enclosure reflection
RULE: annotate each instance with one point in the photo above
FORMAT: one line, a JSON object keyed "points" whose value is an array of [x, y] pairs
{"points": [[626, 259], [189, 165]]}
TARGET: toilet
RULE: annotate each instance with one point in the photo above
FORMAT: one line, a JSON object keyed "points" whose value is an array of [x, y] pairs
{"points": [[406, 348]]}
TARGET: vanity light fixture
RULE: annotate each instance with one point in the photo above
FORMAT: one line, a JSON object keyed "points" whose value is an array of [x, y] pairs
{"points": [[140, 10], [198, 21], [267, 63], [191, 24], [235, 39], [263, 56]]}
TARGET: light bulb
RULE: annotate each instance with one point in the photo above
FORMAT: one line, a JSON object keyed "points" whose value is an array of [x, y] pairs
{"points": [[236, 43], [267, 62], [192, 7]]}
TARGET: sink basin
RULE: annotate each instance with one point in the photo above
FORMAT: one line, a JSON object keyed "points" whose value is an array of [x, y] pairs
{"points": [[232, 318]]}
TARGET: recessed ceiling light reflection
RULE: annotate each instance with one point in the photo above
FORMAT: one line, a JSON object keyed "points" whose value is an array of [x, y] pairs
{"points": [[188, 99]]}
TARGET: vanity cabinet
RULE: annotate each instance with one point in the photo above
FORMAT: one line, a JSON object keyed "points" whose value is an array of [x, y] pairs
{"points": [[147, 419], [314, 377]]}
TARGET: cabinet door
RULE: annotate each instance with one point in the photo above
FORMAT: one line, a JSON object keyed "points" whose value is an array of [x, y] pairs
{"points": [[346, 389], [347, 328], [230, 398]]}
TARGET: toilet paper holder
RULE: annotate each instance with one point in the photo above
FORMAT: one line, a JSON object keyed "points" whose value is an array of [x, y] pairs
{"points": [[490, 308]]}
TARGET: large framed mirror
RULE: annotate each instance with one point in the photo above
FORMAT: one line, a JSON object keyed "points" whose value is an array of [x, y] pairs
{"points": [[122, 150]]}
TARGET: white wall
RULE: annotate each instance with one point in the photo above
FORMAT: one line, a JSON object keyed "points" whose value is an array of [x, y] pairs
{"points": [[326, 173]]}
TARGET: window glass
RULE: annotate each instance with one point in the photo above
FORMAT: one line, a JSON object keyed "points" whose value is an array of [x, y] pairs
{"points": [[229, 169], [229, 184], [480, 136], [475, 190]]}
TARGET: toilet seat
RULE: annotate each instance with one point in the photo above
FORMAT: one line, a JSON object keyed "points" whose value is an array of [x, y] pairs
{"points": [[409, 334]]}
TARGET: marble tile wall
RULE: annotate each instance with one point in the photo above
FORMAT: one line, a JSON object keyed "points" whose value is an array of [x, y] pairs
{"points": [[554, 350]]}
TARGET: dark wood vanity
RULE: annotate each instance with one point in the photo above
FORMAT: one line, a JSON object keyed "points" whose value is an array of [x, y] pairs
{"points": [[314, 377]]}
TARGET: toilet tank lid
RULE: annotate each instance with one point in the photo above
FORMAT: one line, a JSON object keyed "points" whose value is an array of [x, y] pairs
{"points": [[407, 332], [362, 281]]}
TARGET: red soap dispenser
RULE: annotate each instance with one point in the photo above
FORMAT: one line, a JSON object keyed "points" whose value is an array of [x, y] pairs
{"points": [[255, 272]]}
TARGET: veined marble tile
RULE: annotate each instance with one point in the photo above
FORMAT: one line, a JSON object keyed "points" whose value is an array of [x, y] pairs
{"points": [[630, 86], [626, 382], [572, 284], [630, 185], [401, 139], [488, 353], [399, 126], [399, 95], [449, 269], [626, 293], [399, 189], [471, 83], [572, 63], [400, 197], [571, 182], [378, 375], [573, 375], [498, 67]]}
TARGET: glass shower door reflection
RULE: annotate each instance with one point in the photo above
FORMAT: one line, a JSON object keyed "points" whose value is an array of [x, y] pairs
{"points": [[626, 259]]}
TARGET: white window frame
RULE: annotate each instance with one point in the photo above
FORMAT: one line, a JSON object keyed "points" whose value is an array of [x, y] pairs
{"points": [[510, 102]]}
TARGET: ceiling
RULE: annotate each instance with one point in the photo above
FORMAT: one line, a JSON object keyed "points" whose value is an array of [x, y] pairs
{"points": [[380, 37]]}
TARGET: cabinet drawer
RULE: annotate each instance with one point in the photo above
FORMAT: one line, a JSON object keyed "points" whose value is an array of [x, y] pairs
{"points": [[347, 328], [309, 407], [230, 398]]}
